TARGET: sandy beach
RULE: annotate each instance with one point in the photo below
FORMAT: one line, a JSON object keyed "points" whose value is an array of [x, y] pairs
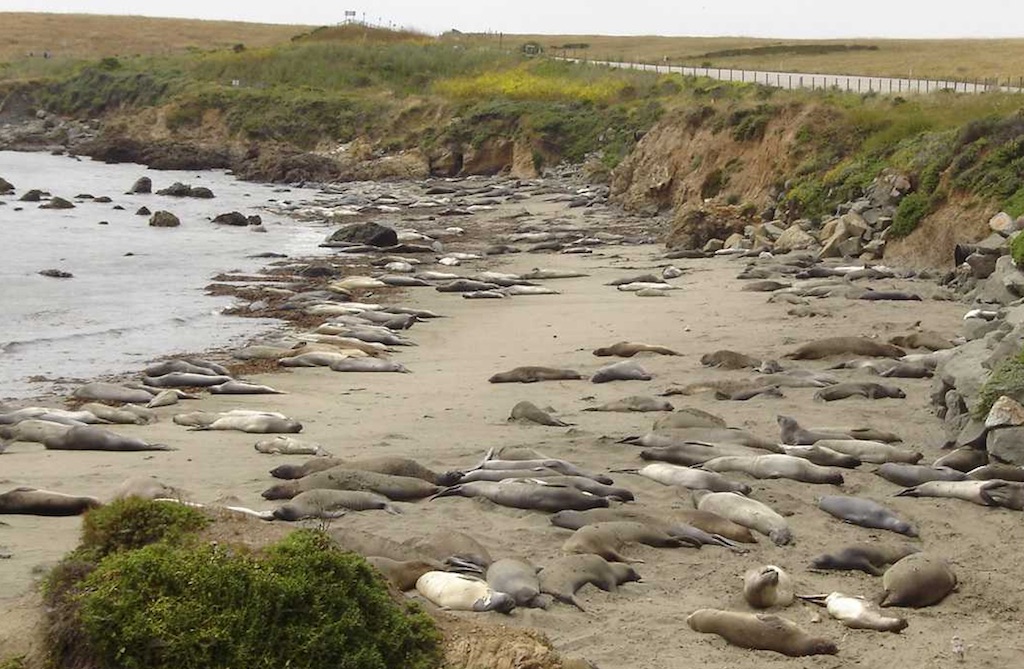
{"points": [[446, 415]]}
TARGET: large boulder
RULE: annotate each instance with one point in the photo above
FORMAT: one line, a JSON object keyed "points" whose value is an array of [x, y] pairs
{"points": [[794, 239], [142, 185], [1003, 223], [201, 192], [1007, 445], [34, 195], [369, 233], [694, 227], [164, 219], [176, 189], [5, 186], [57, 203], [232, 218]]}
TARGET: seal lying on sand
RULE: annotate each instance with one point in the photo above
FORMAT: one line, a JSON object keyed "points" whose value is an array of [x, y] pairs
{"points": [[767, 587], [621, 371], [528, 412], [866, 513], [626, 349], [871, 559], [609, 538], [35, 502], [519, 580], [561, 578], [917, 580], [90, 438], [521, 495], [746, 512], [534, 374], [462, 593], [825, 348], [760, 632], [857, 613]]}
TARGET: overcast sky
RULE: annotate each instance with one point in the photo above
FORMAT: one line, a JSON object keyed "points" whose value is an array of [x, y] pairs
{"points": [[759, 18]]}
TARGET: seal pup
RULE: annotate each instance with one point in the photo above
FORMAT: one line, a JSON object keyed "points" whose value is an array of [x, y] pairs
{"points": [[129, 414], [458, 592], [866, 513], [255, 423], [111, 392], [607, 539], [688, 417], [285, 445], [1007, 494], [871, 391], [32, 430], [627, 349], [832, 346], [767, 587], [184, 380], [635, 403], [916, 581], [91, 438], [528, 412], [36, 502], [453, 548], [586, 485], [774, 466], [534, 374], [908, 475], [327, 504], [146, 487], [725, 359], [382, 465], [857, 613], [689, 477], [527, 495], [760, 632], [621, 371], [563, 577], [564, 467], [873, 452], [518, 580], [746, 512], [235, 387], [871, 559]]}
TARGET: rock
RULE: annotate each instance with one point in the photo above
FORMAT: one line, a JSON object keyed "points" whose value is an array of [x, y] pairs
{"points": [[57, 203], [994, 289], [851, 248], [201, 192], [873, 250], [177, 189], [736, 241], [773, 229], [713, 245], [965, 370], [34, 195], [6, 186], [232, 218], [982, 264], [976, 328], [1005, 412], [56, 273], [143, 211], [973, 433], [694, 226], [1003, 223], [141, 185], [369, 233], [164, 219], [1007, 445], [447, 163], [255, 219], [794, 239], [102, 199]]}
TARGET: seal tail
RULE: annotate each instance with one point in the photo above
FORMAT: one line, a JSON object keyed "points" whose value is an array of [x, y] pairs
{"points": [[819, 600], [634, 470], [908, 492], [629, 440]]}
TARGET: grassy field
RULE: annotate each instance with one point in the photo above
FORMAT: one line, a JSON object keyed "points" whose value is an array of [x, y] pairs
{"points": [[87, 36], [935, 59]]}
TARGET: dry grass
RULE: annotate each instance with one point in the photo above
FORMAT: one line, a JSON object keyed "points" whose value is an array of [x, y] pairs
{"points": [[962, 59], [77, 36]]}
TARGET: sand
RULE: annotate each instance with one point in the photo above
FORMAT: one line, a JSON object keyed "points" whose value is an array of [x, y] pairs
{"points": [[446, 415]]}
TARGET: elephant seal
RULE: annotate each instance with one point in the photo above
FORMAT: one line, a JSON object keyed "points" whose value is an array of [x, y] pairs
{"points": [[688, 534], [403, 574], [746, 512], [688, 417], [857, 613], [1007, 494], [634, 403], [368, 365], [706, 435], [874, 452], [626, 370], [32, 430], [534, 374], [234, 387], [528, 412], [689, 477], [253, 424], [326, 504], [587, 484], [184, 380], [285, 445], [866, 513], [963, 459], [609, 538], [165, 398], [399, 488], [792, 433], [454, 548], [871, 391], [627, 349], [519, 580], [522, 495], [906, 370], [129, 414], [146, 487], [826, 348], [760, 632], [462, 593], [466, 286], [896, 295], [908, 475], [183, 366], [774, 466], [767, 587], [918, 580], [563, 577], [998, 471], [111, 392], [395, 466], [316, 359], [690, 454], [35, 502], [91, 438], [871, 559], [564, 467], [725, 359], [820, 455]]}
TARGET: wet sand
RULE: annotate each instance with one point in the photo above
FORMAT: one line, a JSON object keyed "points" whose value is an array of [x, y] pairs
{"points": [[446, 415]]}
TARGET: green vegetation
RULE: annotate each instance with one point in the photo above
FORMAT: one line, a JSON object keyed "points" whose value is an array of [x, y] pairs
{"points": [[144, 591], [788, 49], [1017, 250], [1006, 379]]}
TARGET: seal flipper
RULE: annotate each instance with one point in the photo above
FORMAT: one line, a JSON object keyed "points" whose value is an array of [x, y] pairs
{"points": [[447, 492], [818, 600]]}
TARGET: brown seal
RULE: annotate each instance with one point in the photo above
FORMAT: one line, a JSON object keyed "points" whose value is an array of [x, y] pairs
{"points": [[35, 502], [400, 488], [917, 580], [527, 495], [528, 412], [725, 359], [872, 391], [746, 512], [626, 349], [395, 466], [825, 348], [760, 632], [519, 580], [767, 587], [774, 466], [403, 574], [534, 374], [563, 577], [871, 559], [326, 504], [609, 538], [963, 459]]}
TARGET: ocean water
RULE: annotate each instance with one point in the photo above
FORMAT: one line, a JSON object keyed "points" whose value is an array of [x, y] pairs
{"points": [[137, 291]]}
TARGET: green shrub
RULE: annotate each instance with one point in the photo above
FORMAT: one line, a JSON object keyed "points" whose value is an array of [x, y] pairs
{"points": [[912, 209], [1008, 377], [133, 523], [1017, 250], [1014, 206], [305, 603]]}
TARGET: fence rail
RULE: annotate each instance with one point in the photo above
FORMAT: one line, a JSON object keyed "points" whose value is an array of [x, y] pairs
{"points": [[841, 82]]}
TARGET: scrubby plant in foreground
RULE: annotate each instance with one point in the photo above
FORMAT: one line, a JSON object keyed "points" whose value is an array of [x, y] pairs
{"points": [[1007, 379], [133, 523]]}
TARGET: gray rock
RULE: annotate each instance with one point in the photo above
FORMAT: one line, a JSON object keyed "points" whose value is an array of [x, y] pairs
{"points": [[34, 195], [976, 328], [713, 245], [794, 238], [143, 211], [57, 203], [1005, 412], [1003, 223], [6, 186], [176, 189], [973, 433], [142, 185], [994, 289], [201, 192], [370, 233], [164, 219], [965, 370], [232, 218], [1007, 445]]}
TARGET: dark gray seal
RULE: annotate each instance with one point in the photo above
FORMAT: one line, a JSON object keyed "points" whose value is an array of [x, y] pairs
{"points": [[91, 438], [534, 374], [866, 513]]}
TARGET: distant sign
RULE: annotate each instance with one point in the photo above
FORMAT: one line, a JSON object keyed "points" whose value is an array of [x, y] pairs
{"points": [[350, 14]]}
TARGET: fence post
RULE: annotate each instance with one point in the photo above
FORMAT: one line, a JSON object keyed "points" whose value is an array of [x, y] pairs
{"points": [[801, 82], [860, 81]]}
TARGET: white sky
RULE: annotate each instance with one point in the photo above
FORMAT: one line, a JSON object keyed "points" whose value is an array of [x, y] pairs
{"points": [[757, 18]]}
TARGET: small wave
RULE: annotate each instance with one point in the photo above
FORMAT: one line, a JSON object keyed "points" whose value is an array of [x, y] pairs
{"points": [[22, 344]]}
